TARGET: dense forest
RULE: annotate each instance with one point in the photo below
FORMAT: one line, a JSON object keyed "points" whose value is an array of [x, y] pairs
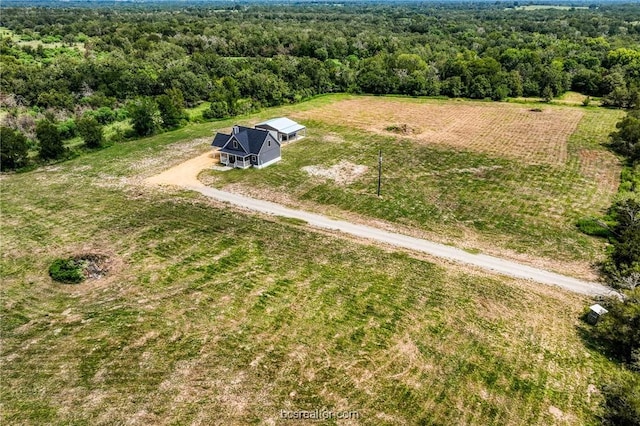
{"points": [[84, 66], [246, 56]]}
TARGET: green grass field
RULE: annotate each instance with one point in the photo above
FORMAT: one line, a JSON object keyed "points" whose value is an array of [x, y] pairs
{"points": [[470, 199], [213, 316]]}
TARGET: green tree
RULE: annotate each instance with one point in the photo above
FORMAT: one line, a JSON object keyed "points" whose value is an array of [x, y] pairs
{"points": [[91, 131], [622, 403], [500, 93], [410, 62], [626, 140], [51, 146], [217, 109], [547, 94], [623, 270], [145, 116], [480, 87], [619, 329], [13, 149], [171, 107], [231, 94], [453, 87]]}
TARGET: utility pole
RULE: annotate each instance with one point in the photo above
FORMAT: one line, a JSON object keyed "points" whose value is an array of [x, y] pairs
{"points": [[379, 171]]}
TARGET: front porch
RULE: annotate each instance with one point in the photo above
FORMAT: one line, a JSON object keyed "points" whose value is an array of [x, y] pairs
{"points": [[236, 161]]}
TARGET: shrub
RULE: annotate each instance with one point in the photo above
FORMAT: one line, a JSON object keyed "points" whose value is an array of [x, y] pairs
{"points": [[171, 106], [217, 109], [51, 146], [121, 114], [594, 227], [91, 132], [67, 129], [104, 115], [69, 271], [99, 99], [622, 403], [14, 149], [145, 116], [619, 329]]}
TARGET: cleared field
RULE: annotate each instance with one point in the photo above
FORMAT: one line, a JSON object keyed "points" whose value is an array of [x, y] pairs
{"points": [[549, 6], [208, 316], [516, 208], [568, 98], [505, 130], [7, 33]]}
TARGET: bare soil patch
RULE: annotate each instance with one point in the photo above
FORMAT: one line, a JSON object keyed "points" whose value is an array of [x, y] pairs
{"points": [[185, 173], [506, 130], [332, 137], [342, 173]]}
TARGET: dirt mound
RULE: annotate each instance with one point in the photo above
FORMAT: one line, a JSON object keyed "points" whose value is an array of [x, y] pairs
{"points": [[402, 129], [81, 267], [95, 265]]}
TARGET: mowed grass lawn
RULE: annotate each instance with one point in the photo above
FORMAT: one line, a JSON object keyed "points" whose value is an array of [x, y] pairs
{"points": [[211, 316], [474, 198]]}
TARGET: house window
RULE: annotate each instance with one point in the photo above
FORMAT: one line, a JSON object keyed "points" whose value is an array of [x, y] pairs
{"points": [[254, 158], [269, 143], [235, 145]]}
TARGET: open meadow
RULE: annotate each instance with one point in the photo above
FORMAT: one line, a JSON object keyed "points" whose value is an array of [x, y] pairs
{"points": [[501, 178], [208, 315]]}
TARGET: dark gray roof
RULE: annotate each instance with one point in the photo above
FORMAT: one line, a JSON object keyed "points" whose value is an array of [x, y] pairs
{"points": [[250, 139], [220, 139]]}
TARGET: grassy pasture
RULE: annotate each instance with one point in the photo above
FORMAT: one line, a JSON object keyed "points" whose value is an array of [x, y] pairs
{"points": [[517, 199], [210, 316]]}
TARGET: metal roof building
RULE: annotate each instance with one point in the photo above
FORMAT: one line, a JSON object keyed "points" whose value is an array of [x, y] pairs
{"points": [[286, 130]]}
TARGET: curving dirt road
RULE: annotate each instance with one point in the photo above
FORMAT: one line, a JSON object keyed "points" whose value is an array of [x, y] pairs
{"points": [[185, 175]]}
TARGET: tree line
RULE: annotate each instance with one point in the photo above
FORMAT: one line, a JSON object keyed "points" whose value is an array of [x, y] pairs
{"points": [[282, 54], [89, 66], [619, 330]]}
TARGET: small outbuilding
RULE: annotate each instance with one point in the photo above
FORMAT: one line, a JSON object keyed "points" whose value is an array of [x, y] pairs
{"points": [[285, 130], [595, 312]]}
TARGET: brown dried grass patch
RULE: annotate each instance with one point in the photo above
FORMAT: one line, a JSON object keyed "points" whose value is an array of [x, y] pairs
{"points": [[601, 166], [342, 173], [506, 130]]}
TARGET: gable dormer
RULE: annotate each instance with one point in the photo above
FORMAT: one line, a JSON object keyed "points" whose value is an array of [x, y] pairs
{"points": [[235, 144]]}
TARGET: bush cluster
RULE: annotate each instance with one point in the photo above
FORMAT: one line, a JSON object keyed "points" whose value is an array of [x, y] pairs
{"points": [[69, 271]]}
